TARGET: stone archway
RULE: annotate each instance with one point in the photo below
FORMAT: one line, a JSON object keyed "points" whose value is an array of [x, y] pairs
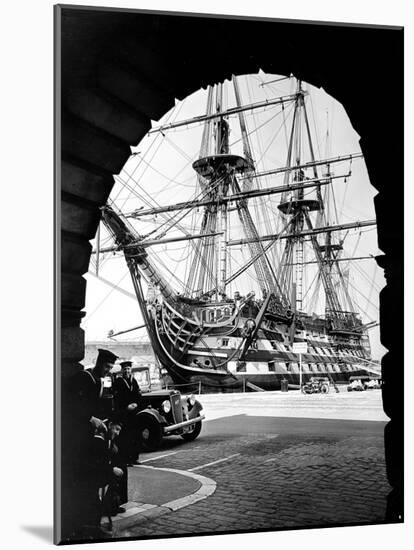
{"points": [[120, 69]]}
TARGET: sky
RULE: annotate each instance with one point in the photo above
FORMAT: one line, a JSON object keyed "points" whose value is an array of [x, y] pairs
{"points": [[159, 171]]}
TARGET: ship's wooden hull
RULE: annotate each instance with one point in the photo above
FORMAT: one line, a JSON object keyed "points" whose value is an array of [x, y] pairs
{"points": [[245, 382], [209, 357]]}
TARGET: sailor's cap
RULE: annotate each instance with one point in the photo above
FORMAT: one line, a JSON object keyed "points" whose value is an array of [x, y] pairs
{"points": [[106, 355], [125, 364]]}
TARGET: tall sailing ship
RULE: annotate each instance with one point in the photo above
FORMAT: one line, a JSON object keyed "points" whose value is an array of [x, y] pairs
{"points": [[260, 258]]}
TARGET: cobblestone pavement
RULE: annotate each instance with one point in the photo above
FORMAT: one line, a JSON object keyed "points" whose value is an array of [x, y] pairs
{"points": [[279, 473]]}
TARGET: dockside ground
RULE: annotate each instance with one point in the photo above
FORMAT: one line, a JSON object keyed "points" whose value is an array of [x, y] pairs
{"points": [[265, 461]]}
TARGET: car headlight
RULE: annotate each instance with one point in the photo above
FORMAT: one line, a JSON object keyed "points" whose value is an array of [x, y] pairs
{"points": [[192, 400], [166, 406]]}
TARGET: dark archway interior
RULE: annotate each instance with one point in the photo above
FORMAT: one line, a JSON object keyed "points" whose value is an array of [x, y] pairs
{"points": [[120, 69]]}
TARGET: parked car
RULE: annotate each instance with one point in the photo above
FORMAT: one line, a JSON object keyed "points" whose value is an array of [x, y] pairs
{"points": [[372, 384], [365, 382], [355, 384], [316, 384], [163, 413]]}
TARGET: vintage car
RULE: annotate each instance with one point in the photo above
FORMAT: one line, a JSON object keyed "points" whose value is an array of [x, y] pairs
{"points": [[164, 412], [355, 384], [372, 384], [316, 384]]}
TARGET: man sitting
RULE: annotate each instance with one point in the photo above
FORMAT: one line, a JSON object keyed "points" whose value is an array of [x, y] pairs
{"points": [[109, 474]]}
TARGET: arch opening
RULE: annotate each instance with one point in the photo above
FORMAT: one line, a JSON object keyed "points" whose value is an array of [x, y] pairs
{"points": [[100, 124]]}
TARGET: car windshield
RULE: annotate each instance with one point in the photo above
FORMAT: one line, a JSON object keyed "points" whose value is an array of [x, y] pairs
{"points": [[143, 379]]}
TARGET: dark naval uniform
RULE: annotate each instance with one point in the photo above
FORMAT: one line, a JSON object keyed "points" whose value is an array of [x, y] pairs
{"points": [[88, 390], [126, 391], [88, 394], [104, 456], [83, 403]]}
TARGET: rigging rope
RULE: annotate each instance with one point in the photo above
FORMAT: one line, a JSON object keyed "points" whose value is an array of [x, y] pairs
{"points": [[316, 293], [375, 306], [170, 180], [372, 285], [256, 129], [370, 280], [87, 318], [149, 148]]}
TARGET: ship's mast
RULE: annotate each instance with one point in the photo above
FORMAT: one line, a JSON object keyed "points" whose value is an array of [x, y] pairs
{"points": [[297, 208], [219, 172], [264, 270], [209, 265], [222, 148], [226, 179], [200, 273]]}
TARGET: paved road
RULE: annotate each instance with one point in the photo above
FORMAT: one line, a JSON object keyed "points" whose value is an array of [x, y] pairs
{"points": [[276, 471], [345, 405]]}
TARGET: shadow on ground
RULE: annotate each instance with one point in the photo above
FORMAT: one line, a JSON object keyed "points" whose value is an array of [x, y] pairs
{"points": [[222, 429], [43, 532]]}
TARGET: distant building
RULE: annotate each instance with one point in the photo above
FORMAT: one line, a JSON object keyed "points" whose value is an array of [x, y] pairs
{"points": [[124, 349], [140, 353]]}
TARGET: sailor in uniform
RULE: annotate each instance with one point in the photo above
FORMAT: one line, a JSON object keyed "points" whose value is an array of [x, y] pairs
{"points": [[86, 416], [89, 386], [126, 397], [107, 472]]}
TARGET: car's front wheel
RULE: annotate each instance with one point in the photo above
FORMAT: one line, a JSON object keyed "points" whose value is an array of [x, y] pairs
{"points": [[193, 432], [149, 433]]}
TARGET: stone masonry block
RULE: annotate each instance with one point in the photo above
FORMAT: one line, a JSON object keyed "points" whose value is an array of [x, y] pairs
{"points": [[389, 228], [69, 368], [144, 97], [72, 291], [91, 145], [80, 181], [75, 254], [391, 318], [111, 116], [72, 343], [392, 376], [142, 59], [77, 219]]}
